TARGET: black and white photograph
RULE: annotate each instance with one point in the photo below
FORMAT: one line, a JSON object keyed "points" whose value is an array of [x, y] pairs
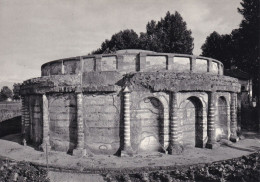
{"points": [[129, 91]]}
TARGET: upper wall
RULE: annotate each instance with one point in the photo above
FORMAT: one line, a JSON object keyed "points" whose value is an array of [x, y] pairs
{"points": [[126, 61]]}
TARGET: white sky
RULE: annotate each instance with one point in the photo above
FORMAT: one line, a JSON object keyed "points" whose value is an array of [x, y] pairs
{"points": [[33, 32]]}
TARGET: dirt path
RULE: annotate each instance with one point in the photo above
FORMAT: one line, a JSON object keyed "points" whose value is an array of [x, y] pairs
{"points": [[10, 148], [72, 177]]}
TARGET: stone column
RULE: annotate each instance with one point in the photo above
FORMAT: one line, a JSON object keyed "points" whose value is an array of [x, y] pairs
{"points": [[174, 145], [142, 62], [228, 121], [23, 118], [26, 120], [233, 114], [193, 64], [98, 62], [80, 151], [170, 62], [126, 149], [209, 66], [45, 113], [211, 143]]}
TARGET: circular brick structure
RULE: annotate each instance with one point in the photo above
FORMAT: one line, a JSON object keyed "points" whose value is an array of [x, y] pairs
{"points": [[129, 102]]}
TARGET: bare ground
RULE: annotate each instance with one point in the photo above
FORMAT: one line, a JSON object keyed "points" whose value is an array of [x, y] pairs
{"points": [[10, 147]]}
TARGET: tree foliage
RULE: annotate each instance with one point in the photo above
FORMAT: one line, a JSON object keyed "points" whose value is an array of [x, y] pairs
{"points": [[247, 36], [16, 91], [219, 47], [170, 34], [5, 93], [241, 47], [126, 39]]}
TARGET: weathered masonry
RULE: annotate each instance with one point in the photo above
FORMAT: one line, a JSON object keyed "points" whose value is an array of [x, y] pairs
{"points": [[129, 102]]}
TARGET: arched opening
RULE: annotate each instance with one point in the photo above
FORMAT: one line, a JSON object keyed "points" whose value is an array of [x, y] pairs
{"points": [[221, 119], [191, 124], [149, 118]]}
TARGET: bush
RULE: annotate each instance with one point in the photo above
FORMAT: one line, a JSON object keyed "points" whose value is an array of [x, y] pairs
{"points": [[21, 171], [246, 168]]}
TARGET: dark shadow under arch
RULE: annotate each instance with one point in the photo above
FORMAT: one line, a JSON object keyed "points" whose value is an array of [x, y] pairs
{"points": [[150, 119], [221, 119], [192, 125]]}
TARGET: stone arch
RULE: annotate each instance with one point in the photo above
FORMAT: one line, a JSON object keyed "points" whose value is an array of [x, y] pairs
{"points": [[149, 130], [192, 122], [222, 120]]}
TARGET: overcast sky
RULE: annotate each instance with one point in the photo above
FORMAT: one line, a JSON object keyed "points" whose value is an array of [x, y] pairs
{"points": [[33, 32]]}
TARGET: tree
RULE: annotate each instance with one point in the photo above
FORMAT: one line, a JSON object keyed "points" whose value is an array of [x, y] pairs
{"points": [[219, 47], [5, 93], [126, 39], [245, 45], [248, 36], [241, 47], [170, 35], [16, 91]]}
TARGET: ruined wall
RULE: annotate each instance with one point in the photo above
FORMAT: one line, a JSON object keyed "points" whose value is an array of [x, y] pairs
{"points": [[71, 66], [192, 113], [102, 123], [127, 93], [132, 61], [88, 64], [129, 63], [149, 121], [9, 110], [222, 116], [155, 63], [201, 66], [109, 63], [35, 107], [63, 121]]}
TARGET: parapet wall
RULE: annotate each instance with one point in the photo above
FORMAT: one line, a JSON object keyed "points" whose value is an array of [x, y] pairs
{"points": [[127, 62]]}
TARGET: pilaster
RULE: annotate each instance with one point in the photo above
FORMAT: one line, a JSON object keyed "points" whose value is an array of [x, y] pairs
{"points": [[46, 139], [174, 145], [193, 64], [233, 114], [23, 119], [80, 150], [170, 65], [98, 62], [142, 59], [211, 143], [26, 120], [126, 149]]}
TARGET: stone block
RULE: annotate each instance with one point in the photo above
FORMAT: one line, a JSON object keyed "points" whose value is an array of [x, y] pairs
{"points": [[71, 66], [234, 138], [212, 145], [79, 152], [175, 149]]}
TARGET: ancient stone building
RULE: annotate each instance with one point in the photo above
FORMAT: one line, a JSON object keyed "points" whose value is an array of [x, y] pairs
{"points": [[129, 102]]}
